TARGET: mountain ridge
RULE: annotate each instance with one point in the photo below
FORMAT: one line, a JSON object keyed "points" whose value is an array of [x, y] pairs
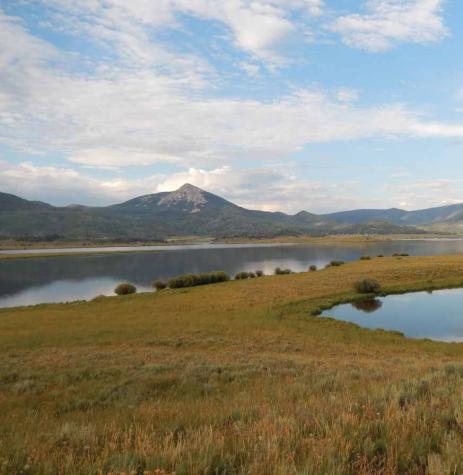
{"points": [[189, 210]]}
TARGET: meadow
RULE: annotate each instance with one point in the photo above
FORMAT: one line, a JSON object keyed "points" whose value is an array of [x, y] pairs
{"points": [[238, 377]]}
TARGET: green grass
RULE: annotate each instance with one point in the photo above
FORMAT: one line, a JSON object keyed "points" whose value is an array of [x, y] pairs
{"points": [[232, 378]]}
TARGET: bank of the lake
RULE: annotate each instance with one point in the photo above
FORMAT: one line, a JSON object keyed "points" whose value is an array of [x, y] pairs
{"points": [[76, 274], [234, 377], [45, 249]]}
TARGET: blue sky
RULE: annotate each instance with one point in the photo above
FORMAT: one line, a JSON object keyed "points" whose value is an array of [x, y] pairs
{"points": [[285, 105]]}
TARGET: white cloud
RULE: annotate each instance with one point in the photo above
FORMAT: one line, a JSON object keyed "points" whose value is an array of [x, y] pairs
{"points": [[347, 95], [439, 130], [270, 189], [123, 116], [251, 69], [427, 193], [63, 186], [276, 188], [390, 22], [104, 158], [256, 26]]}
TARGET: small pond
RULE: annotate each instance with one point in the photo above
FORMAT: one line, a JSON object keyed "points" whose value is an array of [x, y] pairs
{"points": [[436, 315]]}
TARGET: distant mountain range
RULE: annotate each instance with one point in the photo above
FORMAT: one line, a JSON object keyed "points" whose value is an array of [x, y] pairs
{"points": [[190, 211]]}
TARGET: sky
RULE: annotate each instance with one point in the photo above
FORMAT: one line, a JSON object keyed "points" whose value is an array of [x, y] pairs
{"points": [[288, 105]]}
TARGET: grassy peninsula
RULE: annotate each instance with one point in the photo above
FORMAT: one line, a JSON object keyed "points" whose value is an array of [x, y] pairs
{"points": [[231, 378]]}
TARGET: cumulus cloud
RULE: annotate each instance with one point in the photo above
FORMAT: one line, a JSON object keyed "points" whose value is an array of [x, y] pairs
{"points": [[256, 26], [390, 22], [113, 158], [347, 95], [277, 188], [427, 193], [269, 189], [63, 185], [118, 115], [149, 104], [124, 117]]}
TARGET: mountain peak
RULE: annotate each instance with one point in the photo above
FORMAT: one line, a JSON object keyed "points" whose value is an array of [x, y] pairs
{"points": [[187, 194], [188, 187]]}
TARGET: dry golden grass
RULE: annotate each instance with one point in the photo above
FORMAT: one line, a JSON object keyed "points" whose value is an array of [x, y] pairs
{"points": [[231, 378]]}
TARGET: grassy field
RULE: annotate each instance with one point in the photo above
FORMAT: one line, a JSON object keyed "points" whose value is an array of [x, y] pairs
{"points": [[231, 378]]}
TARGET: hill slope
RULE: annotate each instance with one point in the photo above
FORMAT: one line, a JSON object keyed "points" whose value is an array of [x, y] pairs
{"points": [[400, 217]]}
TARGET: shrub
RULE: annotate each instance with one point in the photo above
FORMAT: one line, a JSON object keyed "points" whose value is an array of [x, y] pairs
{"points": [[218, 276], [259, 273], [380, 255], [252, 275], [125, 289], [185, 280], [191, 280], [279, 271], [365, 258], [312, 268], [204, 278], [242, 275], [367, 286], [335, 264], [159, 284], [401, 254]]}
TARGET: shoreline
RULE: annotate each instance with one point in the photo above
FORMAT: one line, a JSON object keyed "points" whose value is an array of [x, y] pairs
{"points": [[7, 252], [237, 362]]}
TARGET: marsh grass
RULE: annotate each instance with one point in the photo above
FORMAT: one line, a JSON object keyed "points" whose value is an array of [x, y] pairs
{"points": [[231, 379]]}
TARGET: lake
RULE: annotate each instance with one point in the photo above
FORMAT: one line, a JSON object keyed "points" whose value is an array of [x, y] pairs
{"points": [[437, 315], [65, 278]]}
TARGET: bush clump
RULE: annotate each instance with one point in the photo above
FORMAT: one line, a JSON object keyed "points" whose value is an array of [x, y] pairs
{"points": [[335, 264], [242, 275], [365, 258], [213, 277], [367, 286], [400, 254], [259, 273], [125, 289], [159, 284], [191, 280], [312, 268], [279, 271]]}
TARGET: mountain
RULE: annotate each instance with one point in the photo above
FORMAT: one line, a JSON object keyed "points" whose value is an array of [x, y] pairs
{"points": [[400, 217], [14, 203], [187, 211]]}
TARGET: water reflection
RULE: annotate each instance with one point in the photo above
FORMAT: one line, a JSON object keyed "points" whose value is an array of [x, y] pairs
{"points": [[57, 279], [367, 305], [437, 315]]}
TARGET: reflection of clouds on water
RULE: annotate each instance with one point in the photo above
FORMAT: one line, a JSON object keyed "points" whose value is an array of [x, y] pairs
{"points": [[64, 291], [438, 316], [37, 280], [447, 292], [142, 268]]}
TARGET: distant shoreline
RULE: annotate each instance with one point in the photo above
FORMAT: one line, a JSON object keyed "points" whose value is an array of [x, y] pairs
{"points": [[50, 250]]}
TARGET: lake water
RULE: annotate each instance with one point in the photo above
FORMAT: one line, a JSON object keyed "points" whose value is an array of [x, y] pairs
{"points": [[66, 278], [437, 315]]}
